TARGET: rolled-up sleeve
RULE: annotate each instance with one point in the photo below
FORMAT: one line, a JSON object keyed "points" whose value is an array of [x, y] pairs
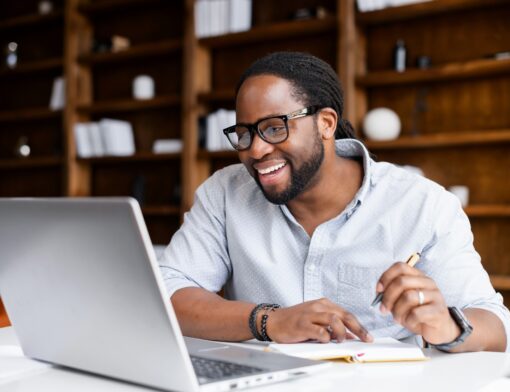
{"points": [[452, 261], [197, 255]]}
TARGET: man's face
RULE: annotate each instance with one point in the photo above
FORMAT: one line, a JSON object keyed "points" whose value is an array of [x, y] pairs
{"points": [[282, 171]]}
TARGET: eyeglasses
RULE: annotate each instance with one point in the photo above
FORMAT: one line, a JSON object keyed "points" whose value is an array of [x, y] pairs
{"points": [[272, 130]]}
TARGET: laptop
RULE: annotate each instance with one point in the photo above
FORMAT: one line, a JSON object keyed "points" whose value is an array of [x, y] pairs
{"points": [[81, 284]]}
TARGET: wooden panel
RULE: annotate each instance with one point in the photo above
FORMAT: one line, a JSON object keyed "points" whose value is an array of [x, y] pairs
{"points": [[460, 36], [33, 182], [448, 107], [162, 228], [491, 241], [228, 65], [265, 12], [43, 137], [152, 183], [484, 169], [4, 318], [20, 9], [114, 82], [159, 22]]}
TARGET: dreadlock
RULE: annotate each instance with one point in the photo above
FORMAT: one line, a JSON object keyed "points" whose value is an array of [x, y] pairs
{"points": [[313, 80]]}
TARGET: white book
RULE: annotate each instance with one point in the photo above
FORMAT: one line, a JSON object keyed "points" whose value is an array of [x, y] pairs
{"points": [[224, 19], [199, 15], [58, 94], [96, 140], [167, 146], [211, 141], [381, 350], [82, 140], [117, 136], [240, 12]]}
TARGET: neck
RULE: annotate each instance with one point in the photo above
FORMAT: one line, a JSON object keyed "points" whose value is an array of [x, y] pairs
{"points": [[336, 184]]}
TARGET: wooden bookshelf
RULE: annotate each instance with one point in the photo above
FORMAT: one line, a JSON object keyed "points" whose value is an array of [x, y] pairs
{"points": [[500, 282], [52, 64], [292, 29], [488, 211], [97, 7], [447, 72], [420, 10], [138, 157], [136, 52], [129, 105], [443, 140], [162, 210], [30, 163], [29, 114], [29, 20]]}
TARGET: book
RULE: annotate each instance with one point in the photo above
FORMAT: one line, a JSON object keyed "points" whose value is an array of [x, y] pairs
{"points": [[117, 137], [355, 351]]}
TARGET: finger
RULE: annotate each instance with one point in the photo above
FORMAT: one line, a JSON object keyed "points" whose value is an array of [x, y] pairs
{"points": [[338, 330], [395, 289], [318, 332], [355, 327], [395, 270], [409, 300]]}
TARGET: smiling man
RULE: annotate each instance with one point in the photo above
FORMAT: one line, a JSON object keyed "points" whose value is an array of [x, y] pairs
{"points": [[309, 228]]}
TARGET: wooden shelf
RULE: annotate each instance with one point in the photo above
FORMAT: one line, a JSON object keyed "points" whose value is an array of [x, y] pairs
{"points": [[30, 20], [130, 105], [407, 12], [138, 157], [271, 32], [29, 163], [161, 210], [488, 211], [225, 154], [34, 66], [217, 96], [500, 282], [443, 140], [452, 71], [29, 114], [136, 52], [113, 5]]}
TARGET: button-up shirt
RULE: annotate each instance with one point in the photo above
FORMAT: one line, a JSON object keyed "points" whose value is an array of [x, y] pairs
{"points": [[234, 238]]}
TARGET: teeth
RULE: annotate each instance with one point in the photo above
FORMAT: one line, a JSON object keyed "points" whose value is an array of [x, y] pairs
{"points": [[272, 168]]}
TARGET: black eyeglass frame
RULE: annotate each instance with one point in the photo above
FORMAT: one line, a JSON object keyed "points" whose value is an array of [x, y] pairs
{"points": [[252, 128]]}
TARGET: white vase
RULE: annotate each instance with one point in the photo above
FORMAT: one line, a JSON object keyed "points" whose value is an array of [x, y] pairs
{"points": [[143, 87], [381, 124]]}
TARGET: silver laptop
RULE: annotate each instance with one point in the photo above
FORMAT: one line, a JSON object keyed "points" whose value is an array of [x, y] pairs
{"points": [[81, 284]]}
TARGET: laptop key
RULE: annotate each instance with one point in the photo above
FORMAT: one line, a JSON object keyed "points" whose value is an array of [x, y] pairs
{"points": [[213, 369]]}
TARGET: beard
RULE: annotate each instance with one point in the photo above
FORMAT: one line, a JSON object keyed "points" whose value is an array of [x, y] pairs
{"points": [[301, 178]]}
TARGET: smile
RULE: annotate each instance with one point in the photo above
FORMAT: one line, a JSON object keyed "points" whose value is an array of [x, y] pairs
{"points": [[271, 169]]}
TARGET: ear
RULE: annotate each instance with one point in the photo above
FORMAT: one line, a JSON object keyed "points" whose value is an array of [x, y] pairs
{"points": [[326, 121]]}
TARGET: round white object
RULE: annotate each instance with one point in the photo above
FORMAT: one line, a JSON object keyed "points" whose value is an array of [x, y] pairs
{"points": [[462, 193], [45, 7], [143, 87], [381, 124]]}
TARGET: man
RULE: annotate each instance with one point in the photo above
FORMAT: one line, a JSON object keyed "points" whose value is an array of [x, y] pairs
{"points": [[311, 229]]}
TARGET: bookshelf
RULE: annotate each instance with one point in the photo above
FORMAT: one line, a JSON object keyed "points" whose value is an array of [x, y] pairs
{"points": [[455, 123]]}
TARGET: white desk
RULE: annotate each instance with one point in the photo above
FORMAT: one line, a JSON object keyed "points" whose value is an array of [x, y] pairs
{"points": [[444, 372]]}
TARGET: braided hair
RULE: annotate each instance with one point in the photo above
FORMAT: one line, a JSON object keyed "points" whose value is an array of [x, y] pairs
{"points": [[313, 80]]}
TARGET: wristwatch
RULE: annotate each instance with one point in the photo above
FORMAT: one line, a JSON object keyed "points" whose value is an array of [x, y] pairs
{"points": [[465, 330]]}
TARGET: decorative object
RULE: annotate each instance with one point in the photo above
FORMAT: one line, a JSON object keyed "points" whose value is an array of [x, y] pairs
{"points": [[381, 124], [318, 12], [11, 55], [58, 94], [45, 7], [120, 43], [423, 62], [399, 56], [167, 146], [462, 192], [22, 149], [143, 87]]}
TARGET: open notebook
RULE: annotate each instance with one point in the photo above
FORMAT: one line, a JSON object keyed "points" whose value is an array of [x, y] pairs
{"points": [[381, 350]]}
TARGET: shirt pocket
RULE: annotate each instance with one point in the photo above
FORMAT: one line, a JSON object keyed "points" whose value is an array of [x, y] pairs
{"points": [[356, 291]]}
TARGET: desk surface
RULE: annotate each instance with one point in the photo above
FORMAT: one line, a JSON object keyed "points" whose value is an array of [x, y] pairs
{"points": [[443, 372]]}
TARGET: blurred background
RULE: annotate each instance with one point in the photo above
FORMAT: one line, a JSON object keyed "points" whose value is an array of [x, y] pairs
{"points": [[128, 97]]}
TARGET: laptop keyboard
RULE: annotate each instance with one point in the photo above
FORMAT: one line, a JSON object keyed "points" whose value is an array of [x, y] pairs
{"points": [[212, 369]]}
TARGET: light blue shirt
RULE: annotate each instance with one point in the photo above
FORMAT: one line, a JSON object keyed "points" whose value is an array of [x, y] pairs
{"points": [[234, 238]]}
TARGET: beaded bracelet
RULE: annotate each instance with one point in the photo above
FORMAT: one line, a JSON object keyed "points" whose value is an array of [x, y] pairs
{"points": [[263, 324], [252, 321]]}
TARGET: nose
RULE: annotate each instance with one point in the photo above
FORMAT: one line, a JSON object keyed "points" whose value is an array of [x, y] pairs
{"points": [[259, 148]]}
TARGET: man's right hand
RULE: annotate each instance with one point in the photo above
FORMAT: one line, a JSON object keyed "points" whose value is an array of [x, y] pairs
{"points": [[320, 320]]}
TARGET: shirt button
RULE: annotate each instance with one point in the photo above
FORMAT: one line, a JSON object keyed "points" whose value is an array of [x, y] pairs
{"points": [[311, 267]]}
